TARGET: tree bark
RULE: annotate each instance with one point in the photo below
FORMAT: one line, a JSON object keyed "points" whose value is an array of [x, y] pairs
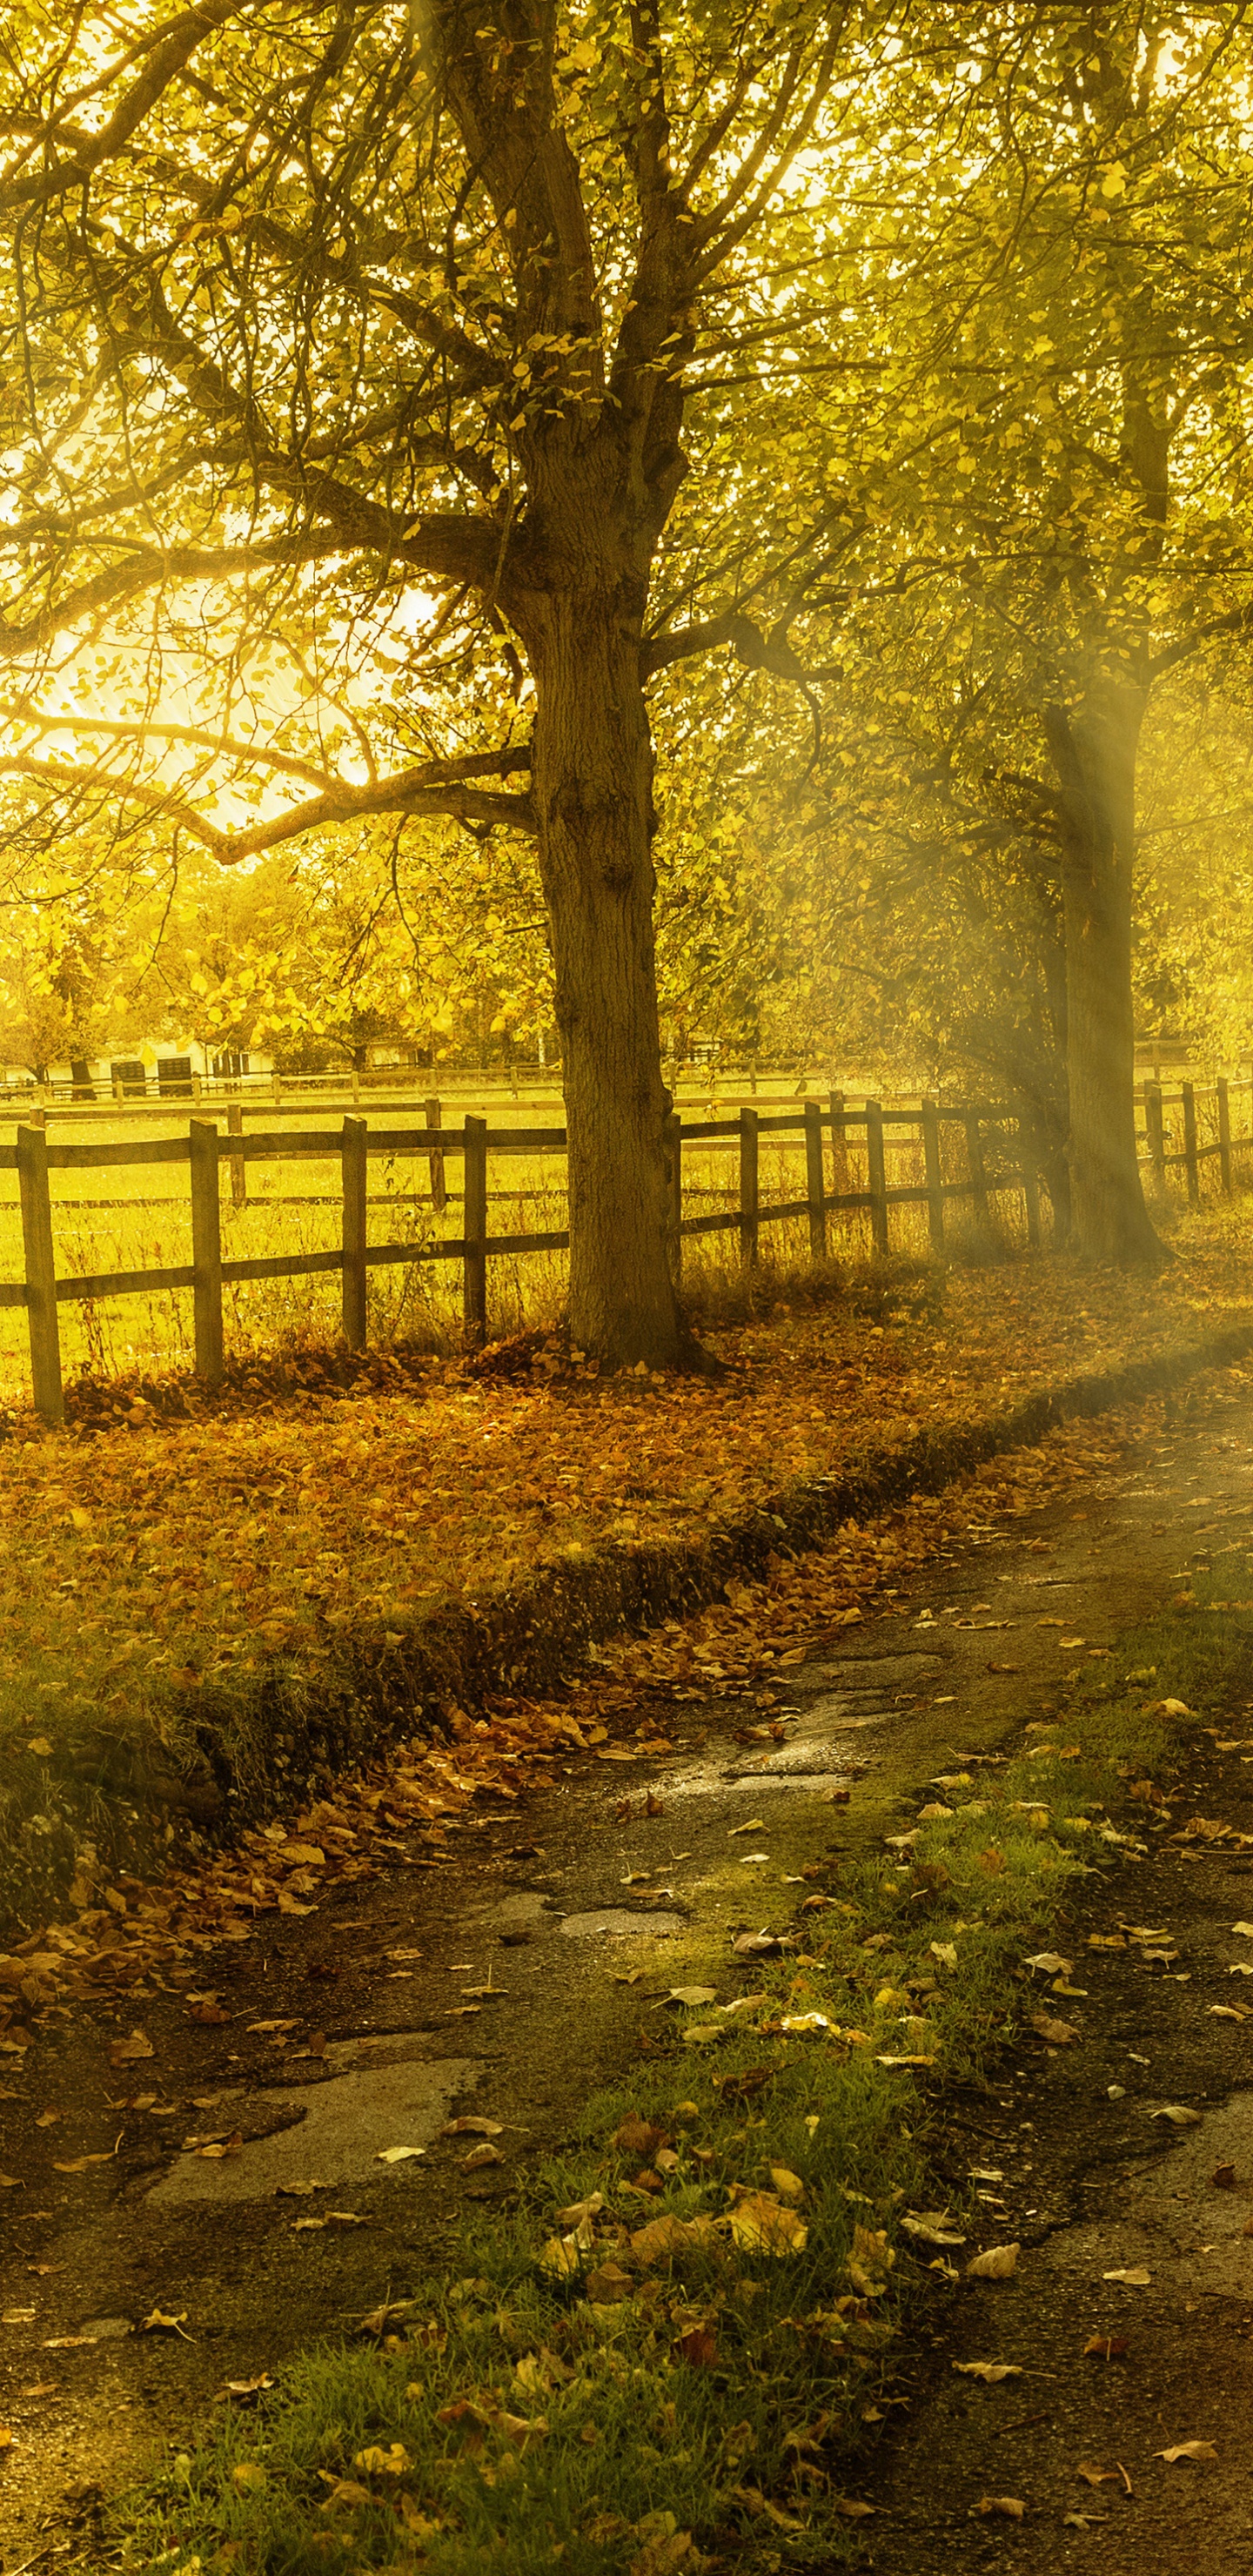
{"points": [[1094, 754], [592, 767]]}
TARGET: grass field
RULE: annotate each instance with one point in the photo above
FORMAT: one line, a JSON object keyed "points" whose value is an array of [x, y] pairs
{"points": [[133, 1218]]}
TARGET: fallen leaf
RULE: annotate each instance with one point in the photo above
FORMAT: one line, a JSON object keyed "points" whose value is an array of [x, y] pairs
{"points": [[481, 2156], [343, 2491], [664, 2239], [580, 2213], [248, 2476], [787, 2184], [1011, 2507], [1094, 2475], [607, 2284], [991, 2371], [638, 2137], [470, 2126], [1135, 2279], [1223, 2178], [1050, 1962], [692, 1995], [999, 2262], [397, 2155], [1058, 2034], [1188, 2451], [760, 2225], [124, 2050], [376, 2462], [1110, 2347], [159, 2323], [1179, 2116], [931, 2227]]}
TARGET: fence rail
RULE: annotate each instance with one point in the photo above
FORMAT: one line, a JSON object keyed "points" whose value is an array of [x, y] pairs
{"points": [[824, 1132]]}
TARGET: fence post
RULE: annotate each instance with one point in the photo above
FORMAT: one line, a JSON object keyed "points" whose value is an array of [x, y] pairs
{"points": [[1189, 1146], [674, 1153], [749, 1194], [239, 1169], [815, 1182], [276, 1083], [934, 1173], [1224, 1136], [353, 1164], [876, 1176], [206, 1250], [474, 1229], [975, 1167], [41, 1273], [439, 1194], [839, 1146], [1155, 1131]]}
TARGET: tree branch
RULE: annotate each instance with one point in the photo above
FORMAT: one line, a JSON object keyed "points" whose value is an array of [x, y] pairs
{"points": [[437, 787], [167, 59]]}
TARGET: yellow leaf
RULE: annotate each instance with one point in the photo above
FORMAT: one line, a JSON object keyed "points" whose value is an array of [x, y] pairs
{"points": [[759, 2225], [999, 2262], [378, 2463]]}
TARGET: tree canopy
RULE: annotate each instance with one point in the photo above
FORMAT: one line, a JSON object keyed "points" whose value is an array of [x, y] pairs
{"points": [[746, 475]]}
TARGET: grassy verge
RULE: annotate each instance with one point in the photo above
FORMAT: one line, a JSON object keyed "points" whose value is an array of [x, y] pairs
{"points": [[659, 2359]]}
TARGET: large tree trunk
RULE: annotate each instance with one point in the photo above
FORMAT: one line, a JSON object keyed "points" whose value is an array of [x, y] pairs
{"points": [[592, 790], [1094, 753]]}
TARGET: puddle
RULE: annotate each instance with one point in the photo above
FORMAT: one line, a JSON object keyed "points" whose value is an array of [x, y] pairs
{"points": [[513, 1913], [800, 1762], [615, 1923], [345, 2126], [867, 1672]]}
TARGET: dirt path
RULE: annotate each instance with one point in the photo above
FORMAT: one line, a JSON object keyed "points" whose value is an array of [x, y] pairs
{"points": [[512, 1980]]}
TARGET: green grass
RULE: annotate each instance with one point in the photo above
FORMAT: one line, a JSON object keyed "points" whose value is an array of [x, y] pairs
{"points": [[705, 2410]]}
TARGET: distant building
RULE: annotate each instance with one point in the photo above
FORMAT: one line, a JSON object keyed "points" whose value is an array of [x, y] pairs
{"points": [[156, 1069]]}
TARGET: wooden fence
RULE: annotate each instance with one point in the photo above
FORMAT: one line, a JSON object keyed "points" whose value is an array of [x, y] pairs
{"points": [[826, 1133]]}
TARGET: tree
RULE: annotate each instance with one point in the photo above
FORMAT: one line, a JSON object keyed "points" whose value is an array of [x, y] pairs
{"points": [[1095, 533], [341, 336]]}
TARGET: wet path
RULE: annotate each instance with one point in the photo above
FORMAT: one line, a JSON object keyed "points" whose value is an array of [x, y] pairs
{"points": [[247, 2180]]}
